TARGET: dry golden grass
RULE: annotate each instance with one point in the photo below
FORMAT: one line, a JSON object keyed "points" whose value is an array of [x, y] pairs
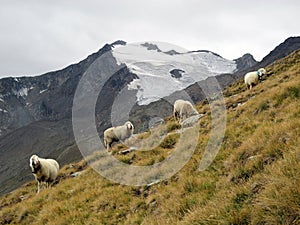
{"points": [[254, 179]]}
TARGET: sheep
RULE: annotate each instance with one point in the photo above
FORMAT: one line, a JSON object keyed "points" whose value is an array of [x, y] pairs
{"points": [[183, 110], [253, 77], [119, 133], [44, 170]]}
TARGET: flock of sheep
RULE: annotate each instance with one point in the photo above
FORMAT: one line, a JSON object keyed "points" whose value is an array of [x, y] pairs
{"points": [[45, 171]]}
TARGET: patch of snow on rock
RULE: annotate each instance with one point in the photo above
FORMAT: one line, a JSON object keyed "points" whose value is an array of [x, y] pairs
{"points": [[43, 91], [21, 92]]}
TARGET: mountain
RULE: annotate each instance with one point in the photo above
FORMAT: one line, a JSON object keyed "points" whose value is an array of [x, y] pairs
{"points": [[254, 179], [245, 62], [36, 112], [287, 47]]}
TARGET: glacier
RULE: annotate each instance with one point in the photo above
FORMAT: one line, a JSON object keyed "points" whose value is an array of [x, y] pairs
{"points": [[152, 63]]}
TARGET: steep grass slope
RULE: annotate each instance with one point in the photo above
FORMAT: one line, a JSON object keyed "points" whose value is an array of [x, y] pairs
{"points": [[254, 179]]}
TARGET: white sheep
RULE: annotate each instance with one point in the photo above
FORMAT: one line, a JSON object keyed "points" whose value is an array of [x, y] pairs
{"points": [[119, 133], [183, 110], [253, 77], [44, 170]]}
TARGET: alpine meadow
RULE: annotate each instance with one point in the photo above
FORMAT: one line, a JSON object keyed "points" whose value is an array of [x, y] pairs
{"points": [[254, 179]]}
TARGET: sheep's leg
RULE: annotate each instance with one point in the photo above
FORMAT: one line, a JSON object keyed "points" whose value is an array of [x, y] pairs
{"points": [[184, 116], [106, 144], [43, 185], [108, 148], [38, 191], [50, 184], [176, 116]]}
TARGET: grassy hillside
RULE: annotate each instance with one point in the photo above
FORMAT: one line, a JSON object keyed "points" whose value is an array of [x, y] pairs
{"points": [[254, 179]]}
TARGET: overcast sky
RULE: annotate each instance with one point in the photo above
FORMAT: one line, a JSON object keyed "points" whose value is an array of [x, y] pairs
{"points": [[39, 36]]}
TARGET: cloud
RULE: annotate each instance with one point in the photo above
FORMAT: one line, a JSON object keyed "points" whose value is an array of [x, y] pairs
{"points": [[41, 36]]}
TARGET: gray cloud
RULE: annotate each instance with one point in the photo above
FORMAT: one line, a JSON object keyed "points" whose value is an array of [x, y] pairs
{"points": [[41, 36]]}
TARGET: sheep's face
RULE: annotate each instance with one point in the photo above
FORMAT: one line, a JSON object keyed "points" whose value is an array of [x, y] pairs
{"points": [[129, 126], [262, 71], [35, 164]]}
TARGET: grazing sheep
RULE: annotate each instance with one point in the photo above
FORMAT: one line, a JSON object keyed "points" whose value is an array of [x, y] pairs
{"points": [[44, 170], [253, 77], [119, 133], [183, 110]]}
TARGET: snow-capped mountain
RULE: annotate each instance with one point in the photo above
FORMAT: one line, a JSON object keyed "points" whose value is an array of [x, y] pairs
{"points": [[163, 68], [36, 112]]}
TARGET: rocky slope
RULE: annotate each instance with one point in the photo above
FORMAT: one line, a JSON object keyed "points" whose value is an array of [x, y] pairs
{"points": [[281, 51]]}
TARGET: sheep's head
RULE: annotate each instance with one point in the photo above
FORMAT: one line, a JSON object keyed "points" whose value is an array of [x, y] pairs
{"points": [[129, 126], [35, 163], [260, 73]]}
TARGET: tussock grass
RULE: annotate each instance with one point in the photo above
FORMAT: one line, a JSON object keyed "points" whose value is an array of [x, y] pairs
{"points": [[254, 179]]}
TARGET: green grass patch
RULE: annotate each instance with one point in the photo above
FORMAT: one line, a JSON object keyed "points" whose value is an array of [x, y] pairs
{"points": [[169, 141]]}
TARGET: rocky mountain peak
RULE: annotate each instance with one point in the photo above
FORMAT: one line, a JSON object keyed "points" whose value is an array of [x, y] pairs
{"points": [[246, 61]]}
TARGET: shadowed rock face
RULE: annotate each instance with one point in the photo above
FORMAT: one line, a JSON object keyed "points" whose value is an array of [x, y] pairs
{"points": [[35, 118], [176, 73], [245, 62], [287, 47], [36, 112]]}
